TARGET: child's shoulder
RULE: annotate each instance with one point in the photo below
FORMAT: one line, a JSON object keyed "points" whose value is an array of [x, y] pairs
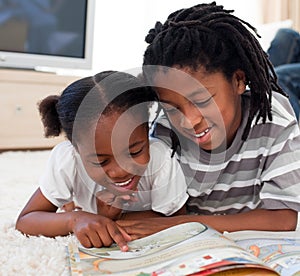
{"points": [[64, 150], [156, 143], [281, 108], [159, 150], [282, 111], [63, 147], [161, 159]]}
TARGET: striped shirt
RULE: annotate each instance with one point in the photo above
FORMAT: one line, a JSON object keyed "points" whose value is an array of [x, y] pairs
{"points": [[261, 172]]}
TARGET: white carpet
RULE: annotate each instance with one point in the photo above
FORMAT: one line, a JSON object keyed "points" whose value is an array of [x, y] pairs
{"points": [[19, 172]]}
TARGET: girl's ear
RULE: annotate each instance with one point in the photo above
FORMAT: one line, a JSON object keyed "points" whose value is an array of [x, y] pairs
{"points": [[239, 80]]}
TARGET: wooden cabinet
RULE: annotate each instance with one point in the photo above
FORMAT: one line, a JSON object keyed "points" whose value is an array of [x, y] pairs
{"points": [[20, 92]]}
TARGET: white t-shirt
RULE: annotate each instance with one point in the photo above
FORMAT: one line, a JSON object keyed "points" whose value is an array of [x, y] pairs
{"points": [[162, 188]]}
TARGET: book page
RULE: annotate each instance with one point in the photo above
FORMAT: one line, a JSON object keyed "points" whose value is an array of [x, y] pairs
{"points": [[180, 250], [150, 244], [279, 250]]}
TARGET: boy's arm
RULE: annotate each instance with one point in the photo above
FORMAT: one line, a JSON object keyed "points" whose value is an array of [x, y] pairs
{"points": [[149, 214], [261, 219]]}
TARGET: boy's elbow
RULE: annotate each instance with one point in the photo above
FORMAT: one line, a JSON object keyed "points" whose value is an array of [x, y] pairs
{"points": [[289, 220]]}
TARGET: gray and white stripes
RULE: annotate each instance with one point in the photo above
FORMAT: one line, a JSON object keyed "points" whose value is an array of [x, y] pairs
{"points": [[261, 172]]}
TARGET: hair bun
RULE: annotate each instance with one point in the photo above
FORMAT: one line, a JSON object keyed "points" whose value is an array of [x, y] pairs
{"points": [[154, 32]]}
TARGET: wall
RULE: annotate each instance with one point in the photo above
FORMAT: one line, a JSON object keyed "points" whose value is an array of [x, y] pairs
{"points": [[120, 27]]}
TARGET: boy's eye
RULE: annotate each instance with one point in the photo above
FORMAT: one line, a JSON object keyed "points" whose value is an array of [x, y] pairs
{"points": [[203, 103], [137, 152], [172, 110]]}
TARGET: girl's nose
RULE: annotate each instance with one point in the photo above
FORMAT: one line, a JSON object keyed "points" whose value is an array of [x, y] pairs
{"points": [[117, 172]]}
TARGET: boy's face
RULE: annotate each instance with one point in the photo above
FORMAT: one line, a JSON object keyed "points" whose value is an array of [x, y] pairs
{"points": [[120, 154], [205, 108]]}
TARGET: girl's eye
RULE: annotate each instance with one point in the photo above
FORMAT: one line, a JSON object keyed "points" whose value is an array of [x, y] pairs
{"points": [[100, 164]]}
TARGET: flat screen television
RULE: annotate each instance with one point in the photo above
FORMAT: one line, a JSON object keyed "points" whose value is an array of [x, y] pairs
{"points": [[46, 33]]}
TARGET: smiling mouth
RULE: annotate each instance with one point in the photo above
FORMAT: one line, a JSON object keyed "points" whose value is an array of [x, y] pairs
{"points": [[121, 184], [201, 134]]}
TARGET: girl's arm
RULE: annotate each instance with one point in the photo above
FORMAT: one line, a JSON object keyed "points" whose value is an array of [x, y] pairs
{"points": [[261, 219], [111, 206], [39, 217]]}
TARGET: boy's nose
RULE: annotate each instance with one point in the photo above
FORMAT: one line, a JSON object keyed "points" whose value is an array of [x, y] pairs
{"points": [[190, 117]]}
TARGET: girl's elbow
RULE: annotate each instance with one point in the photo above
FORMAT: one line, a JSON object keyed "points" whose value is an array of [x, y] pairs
{"points": [[21, 225], [18, 225]]}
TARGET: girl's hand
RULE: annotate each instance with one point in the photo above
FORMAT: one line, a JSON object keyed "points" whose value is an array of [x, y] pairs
{"points": [[110, 205], [96, 231]]}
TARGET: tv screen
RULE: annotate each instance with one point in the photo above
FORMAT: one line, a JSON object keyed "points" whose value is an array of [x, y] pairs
{"points": [[46, 33]]}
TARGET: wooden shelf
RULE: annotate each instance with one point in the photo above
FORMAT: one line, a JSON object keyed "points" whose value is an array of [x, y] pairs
{"points": [[20, 92]]}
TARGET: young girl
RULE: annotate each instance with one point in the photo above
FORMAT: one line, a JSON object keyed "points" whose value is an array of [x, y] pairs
{"points": [[240, 149], [105, 119]]}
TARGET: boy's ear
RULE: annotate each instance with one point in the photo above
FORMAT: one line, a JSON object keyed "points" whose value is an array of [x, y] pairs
{"points": [[239, 79]]}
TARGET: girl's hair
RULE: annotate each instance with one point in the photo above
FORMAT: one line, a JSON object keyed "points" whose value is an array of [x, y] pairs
{"points": [[86, 99], [209, 36]]}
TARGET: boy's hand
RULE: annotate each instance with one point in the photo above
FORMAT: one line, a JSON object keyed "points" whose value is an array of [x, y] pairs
{"points": [[110, 205], [97, 231]]}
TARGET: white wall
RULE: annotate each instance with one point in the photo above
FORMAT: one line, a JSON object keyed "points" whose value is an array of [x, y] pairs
{"points": [[120, 27]]}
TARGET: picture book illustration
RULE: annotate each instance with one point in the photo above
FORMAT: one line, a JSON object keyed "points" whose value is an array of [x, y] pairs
{"points": [[148, 245], [280, 251], [180, 250]]}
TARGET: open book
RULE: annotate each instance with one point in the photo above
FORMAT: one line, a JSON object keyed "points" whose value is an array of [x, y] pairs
{"points": [[193, 248]]}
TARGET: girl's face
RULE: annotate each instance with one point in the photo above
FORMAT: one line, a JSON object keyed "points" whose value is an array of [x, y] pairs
{"points": [[120, 154], [205, 108]]}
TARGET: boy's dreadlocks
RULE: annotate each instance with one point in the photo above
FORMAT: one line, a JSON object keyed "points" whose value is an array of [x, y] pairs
{"points": [[208, 36]]}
